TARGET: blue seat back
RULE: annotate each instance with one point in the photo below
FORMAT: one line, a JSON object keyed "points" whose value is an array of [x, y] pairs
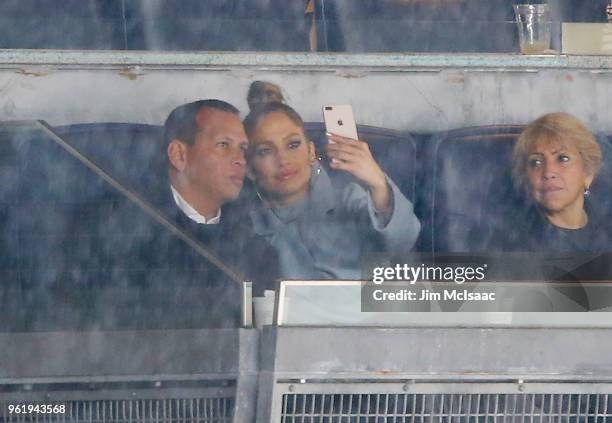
{"points": [[394, 151], [467, 173], [130, 152]]}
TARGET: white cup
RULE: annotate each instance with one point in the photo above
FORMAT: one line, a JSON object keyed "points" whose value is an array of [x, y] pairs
{"points": [[263, 309]]}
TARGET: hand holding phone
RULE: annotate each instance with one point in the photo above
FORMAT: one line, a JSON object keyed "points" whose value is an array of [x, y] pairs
{"points": [[353, 156], [339, 120]]}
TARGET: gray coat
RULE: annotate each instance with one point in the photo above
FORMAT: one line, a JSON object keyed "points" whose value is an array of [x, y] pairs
{"points": [[327, 234]]}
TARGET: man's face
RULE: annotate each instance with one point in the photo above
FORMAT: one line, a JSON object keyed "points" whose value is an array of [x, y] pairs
{"points": [[215, 163]]}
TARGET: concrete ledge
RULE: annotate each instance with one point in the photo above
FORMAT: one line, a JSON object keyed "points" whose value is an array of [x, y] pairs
{"points": [[313, 61]]}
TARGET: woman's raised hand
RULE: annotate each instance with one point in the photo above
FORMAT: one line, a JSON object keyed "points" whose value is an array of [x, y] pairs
{"points": [[354, 157]]}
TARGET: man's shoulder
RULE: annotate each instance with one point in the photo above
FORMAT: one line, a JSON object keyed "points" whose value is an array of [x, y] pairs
{"points": [[159, 196], [236, 220], [234, 223]]}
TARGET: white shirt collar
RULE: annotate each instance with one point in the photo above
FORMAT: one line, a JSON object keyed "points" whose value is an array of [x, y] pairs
{"points": [[192, 213]]}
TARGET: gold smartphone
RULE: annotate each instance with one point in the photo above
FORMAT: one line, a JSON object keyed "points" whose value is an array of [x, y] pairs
{"points": [[339, 120]]}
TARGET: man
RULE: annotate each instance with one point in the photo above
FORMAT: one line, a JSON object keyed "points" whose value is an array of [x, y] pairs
{"points": [[205, 147]]}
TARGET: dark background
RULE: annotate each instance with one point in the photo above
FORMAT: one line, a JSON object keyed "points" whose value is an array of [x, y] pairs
{"points": [[272, 25]]}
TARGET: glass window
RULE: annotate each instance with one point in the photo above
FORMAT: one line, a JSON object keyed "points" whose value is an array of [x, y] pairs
{"points": [[276, 25], [81, 251]]}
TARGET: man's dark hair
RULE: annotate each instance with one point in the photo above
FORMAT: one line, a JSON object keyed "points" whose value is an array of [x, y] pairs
{"points": [[181, 122]]}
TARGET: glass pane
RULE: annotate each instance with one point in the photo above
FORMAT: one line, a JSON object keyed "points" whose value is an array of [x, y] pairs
{"points": [[78, 253], [277, 25], [340, 303]]}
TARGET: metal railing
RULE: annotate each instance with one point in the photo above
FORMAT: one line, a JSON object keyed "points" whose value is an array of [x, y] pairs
{"points": [[166, 376], [435, 375], [309, 375], [446, 408], [197, 401], [169, 410]]}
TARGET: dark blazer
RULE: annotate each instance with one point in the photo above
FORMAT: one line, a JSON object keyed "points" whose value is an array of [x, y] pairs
{"points": [[125, 270], [233, 242]]}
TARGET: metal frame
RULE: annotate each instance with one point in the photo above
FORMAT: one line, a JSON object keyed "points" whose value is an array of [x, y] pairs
{"points": [[203, 404], [123, 366], [452, 362], [438, 366], [441, 402], [448, 387]]}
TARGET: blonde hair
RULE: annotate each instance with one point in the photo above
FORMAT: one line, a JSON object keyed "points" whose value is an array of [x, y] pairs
{"points": [[560, 128]]}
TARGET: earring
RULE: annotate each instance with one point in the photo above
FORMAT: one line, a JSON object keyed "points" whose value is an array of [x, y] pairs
{"points": [[314, 164], [587, 192]]}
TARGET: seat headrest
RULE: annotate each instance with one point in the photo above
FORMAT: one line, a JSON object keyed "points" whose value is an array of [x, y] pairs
{"points": [[394, 151], [471, 179]]}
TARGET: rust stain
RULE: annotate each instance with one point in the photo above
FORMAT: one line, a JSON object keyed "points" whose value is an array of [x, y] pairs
{"points": [[128, 74], [31, 73], [131, 73], [456, 79], [569, 78], [350, 75]]}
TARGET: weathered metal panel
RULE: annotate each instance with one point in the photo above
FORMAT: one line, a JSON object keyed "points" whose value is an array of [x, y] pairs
{"points": [[459, 353], [127, 355]]}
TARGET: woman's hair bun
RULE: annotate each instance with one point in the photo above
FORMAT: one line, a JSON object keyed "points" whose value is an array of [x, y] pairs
{"points": [[262, 93]]}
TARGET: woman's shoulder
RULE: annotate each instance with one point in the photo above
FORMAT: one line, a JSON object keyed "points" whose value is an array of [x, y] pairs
{"points": [[513, 230], [600, 227]]}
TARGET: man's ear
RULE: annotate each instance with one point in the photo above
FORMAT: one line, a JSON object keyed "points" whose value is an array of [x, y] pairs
{"points": [[177, 154]]}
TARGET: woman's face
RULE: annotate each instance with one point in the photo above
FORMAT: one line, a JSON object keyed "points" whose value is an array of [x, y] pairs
{"points": [[280, 156], [557, 177]]}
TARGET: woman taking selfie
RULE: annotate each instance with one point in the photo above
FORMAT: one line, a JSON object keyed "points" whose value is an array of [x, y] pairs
{"points": [[319, 228]]}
